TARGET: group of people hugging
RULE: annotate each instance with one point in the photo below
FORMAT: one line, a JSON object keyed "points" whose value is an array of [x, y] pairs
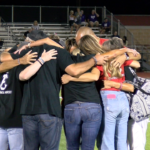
{"points": [[92, 73]]}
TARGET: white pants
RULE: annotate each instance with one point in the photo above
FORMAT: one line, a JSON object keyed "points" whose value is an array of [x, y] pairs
{"points": [[137, 134]]}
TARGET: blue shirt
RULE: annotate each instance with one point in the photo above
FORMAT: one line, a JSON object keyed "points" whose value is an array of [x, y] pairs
{"points": [[83, 18], [106, 24], [93, 18]]}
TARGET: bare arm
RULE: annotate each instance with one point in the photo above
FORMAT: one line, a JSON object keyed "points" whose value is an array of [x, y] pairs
{"points": [[125, 86], [135, 64], [87, 77], [79, 68], [31, 70], [5, 56], [47, 41], [121, 59], [132, 57], [97, 15], [119, 52], [5, 66]]}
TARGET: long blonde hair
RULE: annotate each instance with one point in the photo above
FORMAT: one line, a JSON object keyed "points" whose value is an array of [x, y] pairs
{"points": [[114, 43], [89, 45]]}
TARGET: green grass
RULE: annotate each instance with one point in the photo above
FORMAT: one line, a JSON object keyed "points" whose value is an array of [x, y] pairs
{"points": [[62, 145], [148, 138]]}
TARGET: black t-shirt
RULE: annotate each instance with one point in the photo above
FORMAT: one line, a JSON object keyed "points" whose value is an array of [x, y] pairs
{"points": [[11, 91], [81, 91], [128, 74], [41, 92]]}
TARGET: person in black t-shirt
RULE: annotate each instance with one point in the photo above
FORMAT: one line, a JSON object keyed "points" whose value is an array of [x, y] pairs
{"points": [[40, 106], [11, 134]]}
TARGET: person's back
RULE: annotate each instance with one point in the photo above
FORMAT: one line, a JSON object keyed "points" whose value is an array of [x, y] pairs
{"points": [[82, 111], [43, 88], [41, 100], [74, 91]]}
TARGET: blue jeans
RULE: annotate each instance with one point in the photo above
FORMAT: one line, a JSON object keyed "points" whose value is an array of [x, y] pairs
{"points": [[116, 113], [82, 120], [41, 130], [12, 138]]}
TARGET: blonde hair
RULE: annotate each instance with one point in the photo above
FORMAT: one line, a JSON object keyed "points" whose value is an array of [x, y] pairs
{"points": [[114, 43], [75, 52], [71, 12], [89, 45], [113, 71]]}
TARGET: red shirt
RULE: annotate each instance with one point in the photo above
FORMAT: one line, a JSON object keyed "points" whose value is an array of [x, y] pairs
{"points": [[115, 79], [101, 41]]}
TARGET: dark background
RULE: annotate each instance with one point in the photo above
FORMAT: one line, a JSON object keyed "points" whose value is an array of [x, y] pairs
{"points": [[59, 15], [115, 6]]}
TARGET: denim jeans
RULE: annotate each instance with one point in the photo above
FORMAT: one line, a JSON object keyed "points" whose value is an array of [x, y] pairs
{"points": [[82, 120], [116, 113], [12, 138], [41, 130]]}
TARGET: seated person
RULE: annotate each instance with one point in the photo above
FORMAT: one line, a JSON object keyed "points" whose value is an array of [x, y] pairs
{"points": [[78, 17], [35, 26], [115, 34], [72, 21], [83, 19], [105, 26], [93, 19]]}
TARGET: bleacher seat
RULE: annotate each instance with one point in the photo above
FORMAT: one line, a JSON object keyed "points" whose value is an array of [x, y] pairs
{"points": [[14, 33]]}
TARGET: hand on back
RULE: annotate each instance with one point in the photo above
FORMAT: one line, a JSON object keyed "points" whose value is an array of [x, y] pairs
{"points": [[46, 56]]}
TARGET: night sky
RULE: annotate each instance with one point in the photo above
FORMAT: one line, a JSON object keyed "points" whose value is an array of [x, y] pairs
{"points": [[115, 6]]}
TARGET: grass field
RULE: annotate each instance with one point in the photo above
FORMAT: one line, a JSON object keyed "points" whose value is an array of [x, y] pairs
{"points": [[62, 145]]}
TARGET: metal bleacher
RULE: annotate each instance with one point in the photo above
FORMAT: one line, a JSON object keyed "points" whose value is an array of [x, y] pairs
{"points": [[14, 32]]}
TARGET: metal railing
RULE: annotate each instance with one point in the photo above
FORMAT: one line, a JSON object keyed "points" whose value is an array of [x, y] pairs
{"points": [[4, 24], [60, 14]]}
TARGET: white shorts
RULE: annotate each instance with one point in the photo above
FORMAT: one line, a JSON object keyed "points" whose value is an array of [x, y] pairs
{"points": [[84, 23]]}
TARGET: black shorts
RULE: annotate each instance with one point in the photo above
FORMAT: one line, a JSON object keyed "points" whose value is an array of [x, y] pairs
{"points": [[71, 22]]}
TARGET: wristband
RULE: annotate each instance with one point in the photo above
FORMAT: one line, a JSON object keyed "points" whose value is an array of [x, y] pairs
{"points": [[18, 61], [29, 45], [42, 60], [95, 61], [120, 86]]}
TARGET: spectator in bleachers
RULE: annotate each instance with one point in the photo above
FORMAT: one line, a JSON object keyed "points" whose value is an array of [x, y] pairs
{"points": [[72, 21], [83, 19], [105, 26], [35, 26], [93, 19], [125, 41], [78, 17], [1, 43], [115, 34]]}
